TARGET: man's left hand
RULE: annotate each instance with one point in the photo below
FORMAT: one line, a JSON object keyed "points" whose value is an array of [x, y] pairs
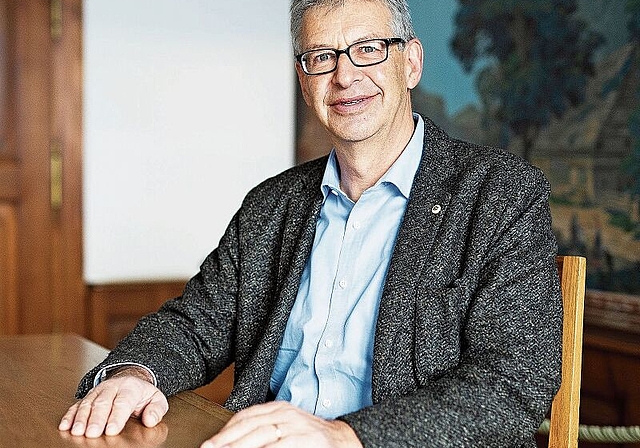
{"points": [[280, 424]]}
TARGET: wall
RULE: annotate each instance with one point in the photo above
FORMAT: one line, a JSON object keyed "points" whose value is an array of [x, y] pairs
{"points": [[187, 105]]}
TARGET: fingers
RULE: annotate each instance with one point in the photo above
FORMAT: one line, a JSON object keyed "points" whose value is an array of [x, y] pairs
{"points": [[68, 418], [278, 424], [107, 408], [261, 436], [252, 427], [119, 410], [258, 426], [92, 413]]}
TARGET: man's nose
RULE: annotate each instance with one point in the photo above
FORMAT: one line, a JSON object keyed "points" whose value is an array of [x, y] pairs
{"points": [[346, 72]]}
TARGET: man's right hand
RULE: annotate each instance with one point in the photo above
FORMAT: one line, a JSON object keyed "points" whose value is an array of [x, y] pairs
{"points": [[108, 406]]}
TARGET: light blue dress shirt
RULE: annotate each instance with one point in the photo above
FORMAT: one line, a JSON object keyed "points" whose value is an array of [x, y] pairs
{"points": [[324, 362]]}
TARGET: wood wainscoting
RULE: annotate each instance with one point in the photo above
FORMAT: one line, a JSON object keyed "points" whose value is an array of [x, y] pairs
{"points": [[114, 310], [610, 392]]}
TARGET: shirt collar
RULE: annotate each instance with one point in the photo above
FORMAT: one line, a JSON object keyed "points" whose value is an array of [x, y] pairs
{"points": [[400, 174]]}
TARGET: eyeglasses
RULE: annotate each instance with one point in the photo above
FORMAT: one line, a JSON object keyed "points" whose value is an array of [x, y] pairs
{"points": [[361, 54]]}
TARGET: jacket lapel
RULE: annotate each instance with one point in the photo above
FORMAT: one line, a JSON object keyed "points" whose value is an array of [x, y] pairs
{"points": [[393, 360]]}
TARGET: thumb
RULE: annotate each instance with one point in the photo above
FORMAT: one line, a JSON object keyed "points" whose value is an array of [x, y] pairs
{"points": [[155, 410]]}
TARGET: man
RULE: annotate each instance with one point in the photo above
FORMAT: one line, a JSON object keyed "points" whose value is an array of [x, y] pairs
{"points": [[403, 290]]}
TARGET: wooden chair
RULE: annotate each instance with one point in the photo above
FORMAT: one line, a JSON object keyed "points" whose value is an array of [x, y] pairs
{"points": [[564, 420]]}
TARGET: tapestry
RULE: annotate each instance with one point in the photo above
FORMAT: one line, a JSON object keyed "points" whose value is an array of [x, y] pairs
{"points": [[556, 82]]}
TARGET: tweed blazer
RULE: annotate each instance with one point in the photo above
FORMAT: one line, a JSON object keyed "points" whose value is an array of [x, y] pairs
{"points": [[467, 348]]}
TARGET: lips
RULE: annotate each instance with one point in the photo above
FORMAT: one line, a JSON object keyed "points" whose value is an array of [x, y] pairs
{"points": [[352, 104]]}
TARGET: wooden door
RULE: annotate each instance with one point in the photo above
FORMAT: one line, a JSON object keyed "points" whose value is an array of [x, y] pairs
{"points": [[41, 287]]}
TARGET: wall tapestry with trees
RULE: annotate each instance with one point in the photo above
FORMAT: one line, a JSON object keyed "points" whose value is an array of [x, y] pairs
{"points": [[557, 82]]}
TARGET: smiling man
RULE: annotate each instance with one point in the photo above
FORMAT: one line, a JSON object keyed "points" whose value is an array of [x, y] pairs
{"points": [[400, 292]]}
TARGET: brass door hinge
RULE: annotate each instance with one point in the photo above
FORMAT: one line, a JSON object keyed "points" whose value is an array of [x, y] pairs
{"points": [[56, 19], [56, 176]]}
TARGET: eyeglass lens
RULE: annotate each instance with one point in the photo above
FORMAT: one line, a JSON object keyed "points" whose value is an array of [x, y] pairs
{"points": [[361, 54]]}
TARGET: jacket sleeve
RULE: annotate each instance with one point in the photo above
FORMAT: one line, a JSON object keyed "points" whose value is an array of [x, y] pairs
{"points": [[189, 341], [509, 339]]}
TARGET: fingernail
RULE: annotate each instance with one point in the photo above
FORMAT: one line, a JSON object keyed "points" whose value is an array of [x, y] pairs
{"points": [[93, 431], [209, 444], [64, 425], [111, 429], [77, 429]]}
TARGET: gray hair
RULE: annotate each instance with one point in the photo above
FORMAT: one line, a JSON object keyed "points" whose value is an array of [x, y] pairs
{"points": [[400, 18]]}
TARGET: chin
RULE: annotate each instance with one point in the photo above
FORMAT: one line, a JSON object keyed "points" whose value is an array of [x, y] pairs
{"points": [[350, 136], [352, 132]]}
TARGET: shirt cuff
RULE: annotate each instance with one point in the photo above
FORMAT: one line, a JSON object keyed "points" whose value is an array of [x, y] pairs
{"points": [[102, 373]]}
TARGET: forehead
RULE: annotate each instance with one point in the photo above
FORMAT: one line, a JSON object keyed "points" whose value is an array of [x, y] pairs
{"points": [[337, 26]]}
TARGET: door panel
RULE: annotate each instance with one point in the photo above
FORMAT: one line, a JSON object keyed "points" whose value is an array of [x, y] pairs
{"points": [[41, 287], [31, 97], [67, 289]]}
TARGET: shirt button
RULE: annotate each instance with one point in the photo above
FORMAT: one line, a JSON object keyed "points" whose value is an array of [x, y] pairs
{"points": [[356, 225], [328, 343], [326, 403], [343, 284], [436, 209]]}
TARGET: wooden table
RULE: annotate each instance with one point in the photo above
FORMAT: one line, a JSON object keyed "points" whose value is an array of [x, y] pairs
{"points": [[38, 379]]}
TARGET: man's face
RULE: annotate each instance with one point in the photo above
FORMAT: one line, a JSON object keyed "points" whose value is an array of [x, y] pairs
{"points": [[358, 103]]}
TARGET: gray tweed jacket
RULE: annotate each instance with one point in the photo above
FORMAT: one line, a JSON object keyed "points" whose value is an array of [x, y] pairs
{"points": [[467, 347]]}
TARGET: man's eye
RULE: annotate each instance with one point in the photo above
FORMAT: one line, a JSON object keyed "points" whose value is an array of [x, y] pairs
{"points": [[368, 49], [322, 57]]}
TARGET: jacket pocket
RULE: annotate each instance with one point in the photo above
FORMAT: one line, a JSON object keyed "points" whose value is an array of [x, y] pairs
{"points": [[439, 323]]}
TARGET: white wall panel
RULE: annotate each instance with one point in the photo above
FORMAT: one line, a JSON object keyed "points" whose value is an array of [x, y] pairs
{"points": [[187, 105]]}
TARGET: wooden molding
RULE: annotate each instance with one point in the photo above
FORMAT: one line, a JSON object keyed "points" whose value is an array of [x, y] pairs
{"points": [[8, 271], [9, 182], [612, 310], [114, 310]]}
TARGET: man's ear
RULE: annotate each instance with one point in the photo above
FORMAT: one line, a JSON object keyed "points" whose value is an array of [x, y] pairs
{"points": [[413, 53], [302, 78]]}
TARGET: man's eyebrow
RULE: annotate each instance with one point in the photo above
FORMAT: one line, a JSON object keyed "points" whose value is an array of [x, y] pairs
{"points": [[328, 46], [319, 47]]}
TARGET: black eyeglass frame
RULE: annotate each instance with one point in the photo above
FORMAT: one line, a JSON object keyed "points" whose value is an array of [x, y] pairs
{"points": [[387, 40]]}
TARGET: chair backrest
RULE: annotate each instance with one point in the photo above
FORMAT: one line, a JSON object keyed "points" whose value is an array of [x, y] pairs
{"points": [[563, 431]]}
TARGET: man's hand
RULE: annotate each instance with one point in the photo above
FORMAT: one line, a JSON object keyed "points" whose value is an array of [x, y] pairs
{"points": [[108, 406], [279, 423]]}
